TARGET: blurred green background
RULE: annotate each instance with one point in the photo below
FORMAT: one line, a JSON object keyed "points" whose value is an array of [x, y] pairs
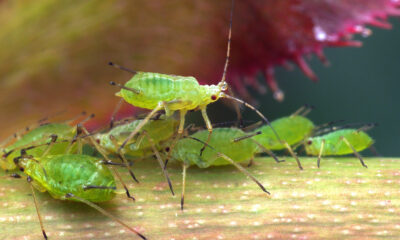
{"points": [[54, 57]]}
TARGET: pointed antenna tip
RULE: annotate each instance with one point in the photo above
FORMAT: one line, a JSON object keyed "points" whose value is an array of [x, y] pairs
{"points": [[113, 83], [111, 63]]}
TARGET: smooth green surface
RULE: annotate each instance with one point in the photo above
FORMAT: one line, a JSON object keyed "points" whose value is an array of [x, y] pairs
{"points": [[342, 200]]}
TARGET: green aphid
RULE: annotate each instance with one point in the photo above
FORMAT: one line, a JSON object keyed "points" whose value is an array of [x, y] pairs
{"points": [[39, 136], [148, 142], [172, 93], [74, 177], [158, 130], [221, 150], [339, 142], [293, 129]]}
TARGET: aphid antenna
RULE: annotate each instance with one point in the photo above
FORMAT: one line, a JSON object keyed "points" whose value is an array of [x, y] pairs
{"points": [[42, 120], [222, 83], [78, 116], [328, 124], [116, 110], [246, 136], [91, 116], [122, 68], [104, 212], [238, 166], [255, 110], [126, 88]]}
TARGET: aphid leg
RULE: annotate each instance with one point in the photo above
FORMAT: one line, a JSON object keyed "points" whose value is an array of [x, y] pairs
{"points": [[117, 107], [294, 155], [264, 149], [102, 151], [240, 122], [321, 150], [251, 162], [269, 152], [373, 150], [184, 167], [178, 136], [29, 179], [240, 168], [51, 144], [160, 161], [104, 212], [223, 95], [160, 106], [354, 151], [209, 127]]}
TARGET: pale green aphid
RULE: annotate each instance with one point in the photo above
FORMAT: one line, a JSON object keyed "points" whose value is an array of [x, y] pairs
{"points": [[222, 150], [38, 136], [75, 177], [172, 93], [158, 130], [147, 143], [340, 142], [293, 129]]}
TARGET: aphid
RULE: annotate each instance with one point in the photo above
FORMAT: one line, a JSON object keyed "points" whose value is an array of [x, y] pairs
{"points": [[44, 133], [148, 142], [222, 150], [157, 91], [74, 177], [339, 142], [293, 129]]}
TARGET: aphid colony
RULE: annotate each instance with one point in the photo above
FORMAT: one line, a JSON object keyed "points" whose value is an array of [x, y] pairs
{"points": [[51, 157]]}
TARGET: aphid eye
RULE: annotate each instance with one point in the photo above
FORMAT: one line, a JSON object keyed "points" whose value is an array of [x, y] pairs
{"points": [[167, 149], [309, 142], [98, 141], [213, 97]]}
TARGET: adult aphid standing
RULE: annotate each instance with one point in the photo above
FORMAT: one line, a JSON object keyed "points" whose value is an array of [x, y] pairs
{"points": [[170, 92]]}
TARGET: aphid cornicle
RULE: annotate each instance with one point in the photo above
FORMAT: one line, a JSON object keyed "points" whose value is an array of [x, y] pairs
{"points": [[339, 142], [157, 91], [75, 177]]}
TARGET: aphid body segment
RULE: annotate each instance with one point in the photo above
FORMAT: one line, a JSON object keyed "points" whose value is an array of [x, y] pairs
{"points": [[39, 136], [335, 143], [187, 150], [178, 92], [293, 129], [71, 173], [158, 130]]}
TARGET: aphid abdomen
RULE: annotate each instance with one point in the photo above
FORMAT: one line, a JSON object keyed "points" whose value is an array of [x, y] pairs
{"points": [[221, 141], [155, 87], [335, 146], [292, 129], [72, 173], [358, 139]]}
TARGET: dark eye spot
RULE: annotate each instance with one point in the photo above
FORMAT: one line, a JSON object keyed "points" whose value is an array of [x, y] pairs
{"points": [[213, 97], [98, 141], [309, 142], [167, 149]]}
